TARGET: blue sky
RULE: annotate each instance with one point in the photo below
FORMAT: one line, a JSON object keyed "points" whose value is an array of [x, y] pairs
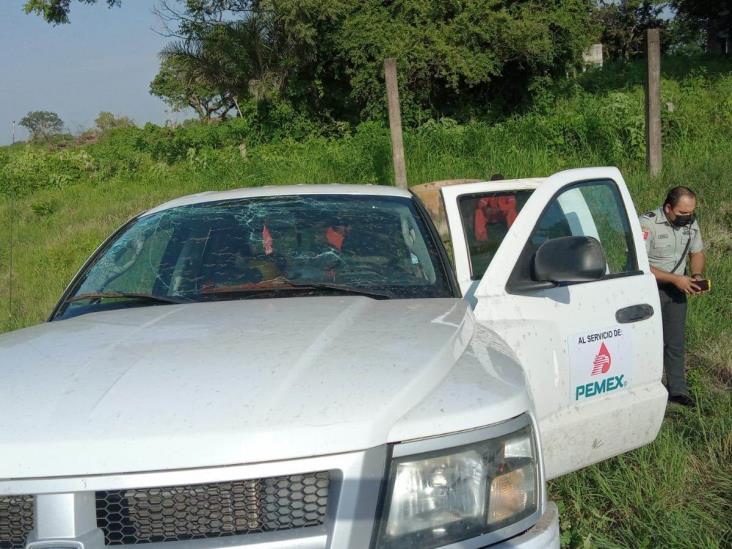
{"points": [[103, 60]]}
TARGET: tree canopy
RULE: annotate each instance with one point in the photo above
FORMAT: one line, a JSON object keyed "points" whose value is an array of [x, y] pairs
{"points": [[712, 17], [57, 11], [624, 24], [42, 124], [325, 57], [182, 83], [108, 121], [460, 55]]}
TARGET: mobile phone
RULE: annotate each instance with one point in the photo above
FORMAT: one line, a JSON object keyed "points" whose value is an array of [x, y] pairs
{"points": [[704, 285]]}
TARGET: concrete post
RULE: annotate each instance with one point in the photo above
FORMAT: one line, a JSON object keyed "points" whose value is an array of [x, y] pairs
{"points": [[395, 123], [653, 102]]}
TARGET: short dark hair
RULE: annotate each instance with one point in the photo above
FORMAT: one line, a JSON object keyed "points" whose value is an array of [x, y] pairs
{"points": [[676, 194], [497, 177]]}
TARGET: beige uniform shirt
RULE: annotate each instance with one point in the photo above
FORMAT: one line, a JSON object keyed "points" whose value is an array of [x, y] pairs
{"points": [[665, 243]]}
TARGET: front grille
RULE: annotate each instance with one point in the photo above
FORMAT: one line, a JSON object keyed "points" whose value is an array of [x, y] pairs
{"points": [[16, 521], [176, 513]]}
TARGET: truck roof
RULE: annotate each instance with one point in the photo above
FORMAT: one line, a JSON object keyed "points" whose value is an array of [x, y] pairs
{"points": [[280, 190]]}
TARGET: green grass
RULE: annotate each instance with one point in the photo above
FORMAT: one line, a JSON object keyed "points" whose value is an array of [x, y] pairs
{"points": [[676, 492]]}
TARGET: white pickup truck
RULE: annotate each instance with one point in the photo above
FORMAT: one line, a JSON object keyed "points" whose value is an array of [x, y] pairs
{"points": [[301, 366]]}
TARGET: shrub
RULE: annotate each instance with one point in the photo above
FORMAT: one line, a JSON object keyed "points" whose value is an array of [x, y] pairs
{"points": [[34, 168]]}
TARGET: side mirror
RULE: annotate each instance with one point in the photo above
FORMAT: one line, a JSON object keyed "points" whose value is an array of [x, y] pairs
{"points": [[569, 259]]}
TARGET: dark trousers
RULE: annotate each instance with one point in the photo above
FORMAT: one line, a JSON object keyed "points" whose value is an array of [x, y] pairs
{"points": [[673, 312]]}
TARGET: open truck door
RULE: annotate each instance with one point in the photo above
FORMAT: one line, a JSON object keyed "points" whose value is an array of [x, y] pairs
{"points": [[558, 268]]}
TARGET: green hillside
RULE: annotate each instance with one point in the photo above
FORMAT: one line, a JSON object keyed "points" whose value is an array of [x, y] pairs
{"points": [[59, 202]]}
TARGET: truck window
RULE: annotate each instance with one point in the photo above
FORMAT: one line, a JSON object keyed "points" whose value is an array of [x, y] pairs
{"points": [[486, 218], [593, 208]]}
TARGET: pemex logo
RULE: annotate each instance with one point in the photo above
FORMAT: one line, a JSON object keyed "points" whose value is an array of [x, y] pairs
{"points": [[602, 361]]}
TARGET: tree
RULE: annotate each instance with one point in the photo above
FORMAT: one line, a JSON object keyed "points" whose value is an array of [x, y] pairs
{"points": [[624, 24], [457, 57], [42, 124], [107, 121], [711, 17], [57, 11], [325, 57], [180, 84], [252, 58]]}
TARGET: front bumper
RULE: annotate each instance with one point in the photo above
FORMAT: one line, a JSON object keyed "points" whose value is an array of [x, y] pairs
{"points": [[544, 533], [64, 511]]}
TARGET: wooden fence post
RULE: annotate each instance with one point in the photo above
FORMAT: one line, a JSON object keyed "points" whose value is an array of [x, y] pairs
{"points": [[653, 102], [395, 122]]}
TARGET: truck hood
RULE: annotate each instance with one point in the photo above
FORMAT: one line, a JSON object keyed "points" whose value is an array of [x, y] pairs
{"points": [[208, 384]]}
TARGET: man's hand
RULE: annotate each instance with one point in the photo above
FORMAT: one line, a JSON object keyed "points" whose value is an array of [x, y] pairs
{"points": [[686, 284]]}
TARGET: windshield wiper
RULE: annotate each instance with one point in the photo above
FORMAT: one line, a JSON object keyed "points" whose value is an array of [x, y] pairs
{"points": [[282, 283], [338, 288], [126, 295]]}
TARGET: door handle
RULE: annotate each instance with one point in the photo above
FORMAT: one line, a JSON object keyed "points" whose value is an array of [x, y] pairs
{"points": [[634, 313]]}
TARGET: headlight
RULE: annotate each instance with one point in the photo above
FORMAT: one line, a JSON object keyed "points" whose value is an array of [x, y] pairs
{"points": [[441, 497]]}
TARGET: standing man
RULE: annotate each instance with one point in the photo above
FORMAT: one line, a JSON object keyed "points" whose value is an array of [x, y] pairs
{"points": [[671, 234]]}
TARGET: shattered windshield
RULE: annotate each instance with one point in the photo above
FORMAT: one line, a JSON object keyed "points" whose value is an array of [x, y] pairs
{"points": [[266, 247]]}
